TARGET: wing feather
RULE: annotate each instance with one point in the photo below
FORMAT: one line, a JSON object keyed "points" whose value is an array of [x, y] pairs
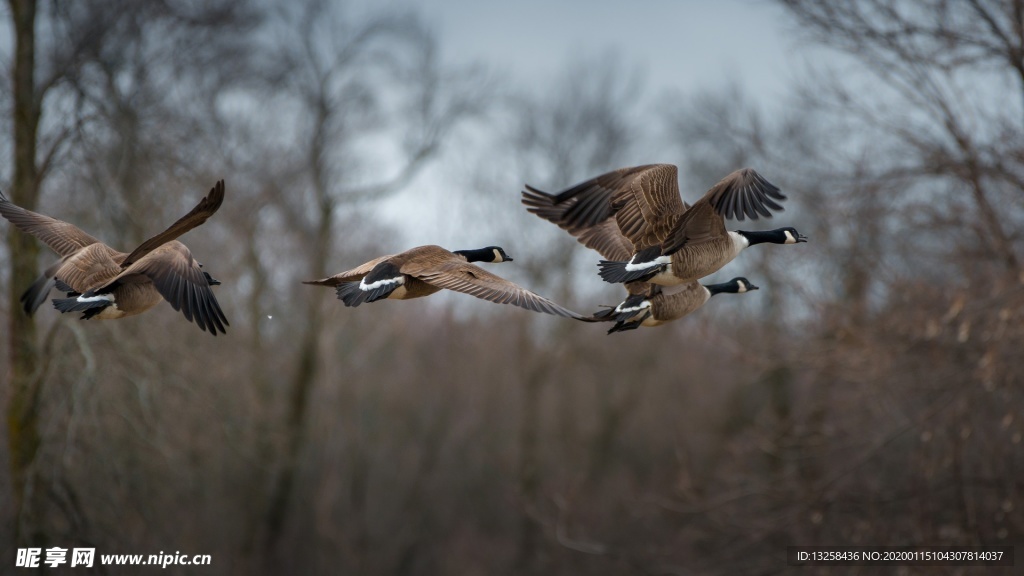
{"points": [[647, 208], [603, 236], [180, 280], [63, 238], [197, 216], [744, 193], [470, 279], [91, 266]]}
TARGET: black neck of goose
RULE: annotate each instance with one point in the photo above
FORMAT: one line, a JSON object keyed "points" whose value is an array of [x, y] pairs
{"points": [[772, 236], [723, 287], [478, 255]]}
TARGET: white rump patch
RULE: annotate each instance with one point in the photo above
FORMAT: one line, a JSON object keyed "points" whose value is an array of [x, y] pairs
{"points": [[99, 298], [385, 282], [643, 305], [659, 261]]}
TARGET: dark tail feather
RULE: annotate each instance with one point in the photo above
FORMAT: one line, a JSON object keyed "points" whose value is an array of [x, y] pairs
{"points": [[64, 287], [323, 282], [606, 315], [90, 309], [625, 323], [350, 294], [37, 293], [380, 292], [616, 273], [629, 320], [623, 326]]}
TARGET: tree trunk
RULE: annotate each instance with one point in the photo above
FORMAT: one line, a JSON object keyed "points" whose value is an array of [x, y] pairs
{"points": [[305, 372], [22, 407]]}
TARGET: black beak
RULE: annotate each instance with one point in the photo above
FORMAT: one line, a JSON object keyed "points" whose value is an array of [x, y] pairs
{"points": [[507, 258], [800, 238], [752, 287]]}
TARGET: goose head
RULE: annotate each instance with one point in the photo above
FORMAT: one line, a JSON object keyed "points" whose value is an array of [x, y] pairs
{"points": [[737, 285], [787, 235], [491, 254]]}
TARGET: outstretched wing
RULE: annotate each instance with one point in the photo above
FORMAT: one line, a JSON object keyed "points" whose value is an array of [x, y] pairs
{"points": [[92, 266], [603, 236], [644, 200], [206, 208], [648, 208], [742, 193], [61, 237], [181, 281], [475, 281]]}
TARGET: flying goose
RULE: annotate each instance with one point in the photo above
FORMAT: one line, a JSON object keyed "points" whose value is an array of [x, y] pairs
{"points": [[647, 304], [104, 283], [424, 270], [672, 242], [652, 305]]}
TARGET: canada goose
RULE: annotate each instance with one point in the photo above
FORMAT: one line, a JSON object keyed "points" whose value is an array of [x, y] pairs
{"points": [[425, 270], [652, 305], [672, 243], [647, 304], [103, 283]]}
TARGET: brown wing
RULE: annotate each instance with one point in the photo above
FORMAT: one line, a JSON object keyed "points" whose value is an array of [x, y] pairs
{"points": [[352, 275], [206, 208], [589, 202], [699, 224], [649, 207], [649, 191], [603, 236], [180, 280], [744, 192], [92, 266], [608, 240], [469, 279], [61, 237]]}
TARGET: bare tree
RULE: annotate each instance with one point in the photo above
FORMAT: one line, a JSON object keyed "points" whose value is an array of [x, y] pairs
{"points": [[79, 97], [352, 84], [862, 390], [22, 407], [582, 125]]}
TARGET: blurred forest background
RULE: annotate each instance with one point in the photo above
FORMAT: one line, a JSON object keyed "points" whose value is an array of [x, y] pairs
{"points": [[872, 392]]}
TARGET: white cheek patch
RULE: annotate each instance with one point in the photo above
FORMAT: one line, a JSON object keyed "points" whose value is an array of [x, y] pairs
{"points": [[789, 237], [742, 288], [659, 261], [99, 298], [384, 282], [497, 256]]}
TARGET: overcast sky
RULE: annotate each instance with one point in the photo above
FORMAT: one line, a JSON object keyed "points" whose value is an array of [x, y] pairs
{"points": [[677, 43], [687, 46]]}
